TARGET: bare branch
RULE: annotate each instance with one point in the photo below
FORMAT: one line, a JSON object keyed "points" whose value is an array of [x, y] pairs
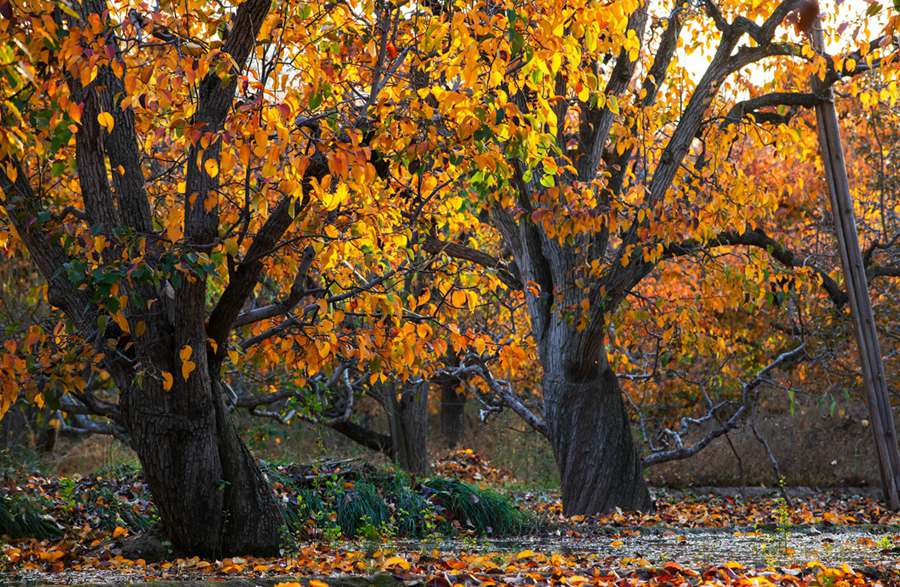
{"points": [[681, 451], [475, 365], [751, 107], [298, 291]]}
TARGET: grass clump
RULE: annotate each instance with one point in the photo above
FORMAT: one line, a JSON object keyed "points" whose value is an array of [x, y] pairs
{"points": [[483, 511], [23, 517], [375, 504]]}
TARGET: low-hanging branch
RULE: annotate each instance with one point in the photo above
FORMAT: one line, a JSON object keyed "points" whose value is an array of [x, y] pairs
{"points": [[683, 451], [760, 239]]}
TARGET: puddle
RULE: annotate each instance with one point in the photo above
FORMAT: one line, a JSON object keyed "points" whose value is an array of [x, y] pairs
{"points": [[796, 545]]}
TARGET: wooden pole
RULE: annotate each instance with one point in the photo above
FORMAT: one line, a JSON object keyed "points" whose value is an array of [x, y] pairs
{"points": [[857, 287]]}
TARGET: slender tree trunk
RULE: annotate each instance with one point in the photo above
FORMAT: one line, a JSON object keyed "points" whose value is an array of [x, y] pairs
{"points": [[212, 498], [453, 406], [408, 420], [599, 465], [871, 361]]}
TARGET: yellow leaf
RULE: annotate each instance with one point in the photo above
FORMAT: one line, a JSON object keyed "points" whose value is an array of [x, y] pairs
{"points": [[51, 555], [106, 121], [317, 583], [525, 554], [186, 352], [119, 531], [458, 298], [74, 112], [211, 167], [173, 224], [168, 380]]}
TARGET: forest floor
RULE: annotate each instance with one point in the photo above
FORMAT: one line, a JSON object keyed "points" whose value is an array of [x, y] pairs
{"points": [[726, 537]]}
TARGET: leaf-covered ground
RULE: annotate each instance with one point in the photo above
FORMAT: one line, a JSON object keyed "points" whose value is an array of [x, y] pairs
{"points": [[99, 529], [59, 564]]}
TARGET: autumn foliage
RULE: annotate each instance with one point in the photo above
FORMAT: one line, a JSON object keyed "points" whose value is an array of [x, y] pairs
{"points": [[588, 213]]}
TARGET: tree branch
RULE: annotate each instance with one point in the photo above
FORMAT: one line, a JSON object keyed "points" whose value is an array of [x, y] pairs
{"points": [[758, 238], [751, 107], [474, 365], [680, 451], [436, 246]]}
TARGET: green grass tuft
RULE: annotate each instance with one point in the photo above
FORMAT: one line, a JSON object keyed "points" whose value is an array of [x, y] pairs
{"points": [[483, 511], [23, 518]]}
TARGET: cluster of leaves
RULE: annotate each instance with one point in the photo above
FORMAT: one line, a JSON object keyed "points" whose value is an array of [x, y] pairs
{"points": [[89, 507], [468, 465], [439, 568]]}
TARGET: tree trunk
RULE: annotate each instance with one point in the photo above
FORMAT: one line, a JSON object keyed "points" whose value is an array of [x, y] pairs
{"points": [[212, 497], [408, 420], [877, 395], [15, 429], [599, 466], [453, 406]]}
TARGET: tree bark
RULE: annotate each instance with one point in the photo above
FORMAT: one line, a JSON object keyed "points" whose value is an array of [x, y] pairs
{"points": [[212, 497], [15, 429], [599, 465], [452, 411], [408, 421]]}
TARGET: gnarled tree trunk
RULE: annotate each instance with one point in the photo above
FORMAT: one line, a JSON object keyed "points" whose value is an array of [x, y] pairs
{"points": [[212, 497], [453, 404], [586, 422], [599, 466]]}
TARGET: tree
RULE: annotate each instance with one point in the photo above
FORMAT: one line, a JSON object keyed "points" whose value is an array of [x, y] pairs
{"points": [[595, 185], [214, 193], [157, 341], [205, 209]]}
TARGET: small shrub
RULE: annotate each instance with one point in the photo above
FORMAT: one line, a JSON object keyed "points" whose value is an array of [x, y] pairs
{"points": [[374, 504]]}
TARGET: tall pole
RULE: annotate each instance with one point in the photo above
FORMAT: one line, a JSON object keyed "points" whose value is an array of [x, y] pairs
{"points": [[857, 287]]}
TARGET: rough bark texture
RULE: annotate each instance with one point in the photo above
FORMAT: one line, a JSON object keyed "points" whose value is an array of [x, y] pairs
{"points": [[599, 466], [408, 420], [452, 412], [212, 498]]}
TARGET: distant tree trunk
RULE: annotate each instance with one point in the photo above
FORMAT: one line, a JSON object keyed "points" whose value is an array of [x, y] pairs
{"points": [[452, 411], [46, 440], [211, 495], [15, 428], [407, 413]]}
